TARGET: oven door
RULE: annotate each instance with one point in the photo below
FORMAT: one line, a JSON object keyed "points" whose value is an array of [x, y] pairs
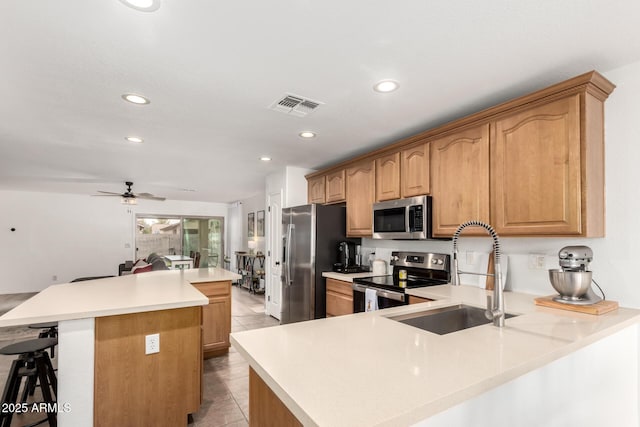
{"points": [[386, 299]]}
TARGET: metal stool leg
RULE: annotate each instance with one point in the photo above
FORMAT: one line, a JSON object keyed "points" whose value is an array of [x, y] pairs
{"points": [[10, 393], [45, 386]]}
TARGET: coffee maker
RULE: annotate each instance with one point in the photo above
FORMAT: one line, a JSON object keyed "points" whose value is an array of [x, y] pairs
{"points": [[346, 258]]}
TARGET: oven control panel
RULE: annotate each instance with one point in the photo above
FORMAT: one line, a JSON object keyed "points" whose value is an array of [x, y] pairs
{"points": [[424, 260]]}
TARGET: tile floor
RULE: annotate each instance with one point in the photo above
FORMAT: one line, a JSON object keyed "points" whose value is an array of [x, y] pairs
{"points": [[226, 378]]}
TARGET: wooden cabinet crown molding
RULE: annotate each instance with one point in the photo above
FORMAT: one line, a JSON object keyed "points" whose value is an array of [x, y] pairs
{"points": [[592, 82]]}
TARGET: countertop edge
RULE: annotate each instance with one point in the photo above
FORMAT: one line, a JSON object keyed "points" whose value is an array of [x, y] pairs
{"points": [[287, 400]]}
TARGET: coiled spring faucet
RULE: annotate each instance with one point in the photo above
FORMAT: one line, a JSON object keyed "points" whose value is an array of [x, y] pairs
{"points": [[495, 311]]}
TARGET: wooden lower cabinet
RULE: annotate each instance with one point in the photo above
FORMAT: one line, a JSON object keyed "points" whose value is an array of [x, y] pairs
{"points": [[339, 297], [417, 300], [216, 317], [265, 408], [132, 388]]}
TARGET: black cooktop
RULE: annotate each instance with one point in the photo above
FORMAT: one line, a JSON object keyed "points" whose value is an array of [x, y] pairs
{"points": [[392, 283]]}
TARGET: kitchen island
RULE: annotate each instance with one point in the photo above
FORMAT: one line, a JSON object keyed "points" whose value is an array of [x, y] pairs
{"points": [[367, 370], [104, 375]]}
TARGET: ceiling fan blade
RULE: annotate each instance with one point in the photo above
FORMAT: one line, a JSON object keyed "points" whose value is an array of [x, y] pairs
{"points": [[110, 193], [148, 196], [107, 195]]}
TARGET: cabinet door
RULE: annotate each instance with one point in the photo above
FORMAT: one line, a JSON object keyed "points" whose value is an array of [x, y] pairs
{"points": [[316, 189], [339, 298], [216, 324], [216, 317], [360, 196], [414, 171], [536, 171], [460, 180], [388, 177], [335, 187]]}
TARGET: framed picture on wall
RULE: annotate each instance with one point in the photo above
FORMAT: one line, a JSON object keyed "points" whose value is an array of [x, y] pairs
{"points": [[260, 224], [251, 224]]}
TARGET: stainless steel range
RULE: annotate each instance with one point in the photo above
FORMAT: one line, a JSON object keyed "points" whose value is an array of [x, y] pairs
{"points": [[410, 270]]}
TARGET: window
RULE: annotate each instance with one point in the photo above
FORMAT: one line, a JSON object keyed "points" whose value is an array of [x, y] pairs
{"points": [[177, 235]]}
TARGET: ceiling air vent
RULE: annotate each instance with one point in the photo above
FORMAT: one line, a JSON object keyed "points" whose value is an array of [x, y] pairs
{"points": [[295, 105]]}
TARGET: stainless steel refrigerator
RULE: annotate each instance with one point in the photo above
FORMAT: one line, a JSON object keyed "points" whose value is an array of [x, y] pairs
{"points": [[310, 237]]}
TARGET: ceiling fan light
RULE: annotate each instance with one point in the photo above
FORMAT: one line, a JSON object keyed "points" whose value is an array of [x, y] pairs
{"points": [[129, 201]]}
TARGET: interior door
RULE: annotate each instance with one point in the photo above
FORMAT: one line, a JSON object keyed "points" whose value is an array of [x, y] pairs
{"points": [[273, 286]]}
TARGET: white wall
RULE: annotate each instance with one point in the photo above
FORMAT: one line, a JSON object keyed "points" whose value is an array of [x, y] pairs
{"points": [[253, 204], [615, 261], [69, 235]]}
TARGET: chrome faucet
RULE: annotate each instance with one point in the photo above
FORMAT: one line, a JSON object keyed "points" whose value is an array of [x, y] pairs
{"points": [[495, 311]]}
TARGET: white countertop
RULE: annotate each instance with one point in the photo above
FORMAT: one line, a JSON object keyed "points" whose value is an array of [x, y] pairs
{"points": [[366, 370], [133, 293]]}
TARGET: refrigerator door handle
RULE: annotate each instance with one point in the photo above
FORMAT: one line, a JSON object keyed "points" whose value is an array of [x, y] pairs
{"points": [[290, 228]]}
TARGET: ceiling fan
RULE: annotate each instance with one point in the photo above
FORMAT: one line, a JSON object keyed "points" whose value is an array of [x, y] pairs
{"points": [[129, 197]]}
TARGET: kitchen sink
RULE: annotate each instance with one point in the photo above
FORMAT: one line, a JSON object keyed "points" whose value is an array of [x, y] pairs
{"points": [[447, 319]]}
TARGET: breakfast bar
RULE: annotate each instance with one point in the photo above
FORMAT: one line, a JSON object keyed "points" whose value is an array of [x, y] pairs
{"points": [[107, 375], [368, 369]]}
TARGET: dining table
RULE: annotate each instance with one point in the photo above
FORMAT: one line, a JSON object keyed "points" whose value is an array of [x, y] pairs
{"points": [[179, 261]]}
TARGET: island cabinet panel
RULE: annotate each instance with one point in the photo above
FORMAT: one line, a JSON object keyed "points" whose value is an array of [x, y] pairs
{"points": [[216, 317], [417, 300], [536, 171], [132, 388], [361, 182], [339, 297], [460, 180], [316, 189], [265, 408], [414, 171], [388, 177], [336, 187]]}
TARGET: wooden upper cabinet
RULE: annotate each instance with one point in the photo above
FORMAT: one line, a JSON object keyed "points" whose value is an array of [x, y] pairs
{"points": [[316, 189], [460, 180], [336, 188], [388, 177], [361, 183], [414, 171], [535, 164]]}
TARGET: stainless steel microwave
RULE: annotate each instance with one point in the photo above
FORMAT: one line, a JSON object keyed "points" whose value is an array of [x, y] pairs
{"points": [[404, 219]]}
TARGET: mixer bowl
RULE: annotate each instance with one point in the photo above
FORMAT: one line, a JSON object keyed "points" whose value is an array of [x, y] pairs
{"points": [[571, 285]]}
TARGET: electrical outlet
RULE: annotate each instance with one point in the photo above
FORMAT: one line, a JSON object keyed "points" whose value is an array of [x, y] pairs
{"points": [[152, 344], [536, 262]]}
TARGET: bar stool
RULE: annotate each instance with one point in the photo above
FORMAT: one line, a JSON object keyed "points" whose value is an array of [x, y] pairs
{"points": [[34, 364], [48, 330]]}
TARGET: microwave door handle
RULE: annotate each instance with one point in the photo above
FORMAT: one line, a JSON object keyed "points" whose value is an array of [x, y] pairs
{"points": [[408, 219]]}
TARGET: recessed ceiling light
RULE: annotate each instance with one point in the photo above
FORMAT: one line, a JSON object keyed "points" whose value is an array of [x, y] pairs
{"points": [[307, 134], [265, 158], [386, 86], [135, 99], [134, 139], [142, 5]]}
